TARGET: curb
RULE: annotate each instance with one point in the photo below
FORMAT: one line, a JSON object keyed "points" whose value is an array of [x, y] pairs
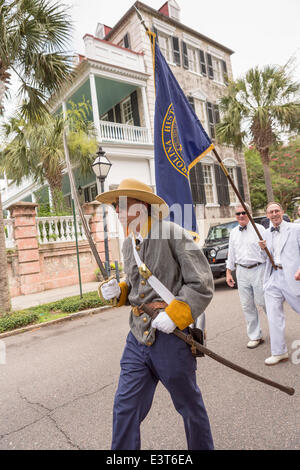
{"points": [[71, 316]]}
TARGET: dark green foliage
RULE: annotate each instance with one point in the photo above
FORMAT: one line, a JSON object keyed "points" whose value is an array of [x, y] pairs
{"points": [[16, 320], [41, 312]]}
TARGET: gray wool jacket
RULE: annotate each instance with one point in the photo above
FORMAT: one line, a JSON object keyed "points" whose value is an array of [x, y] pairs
{"points": [[172, 256]]}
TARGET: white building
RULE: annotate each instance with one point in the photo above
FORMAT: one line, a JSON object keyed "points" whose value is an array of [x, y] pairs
{"points": [[116, 76]]}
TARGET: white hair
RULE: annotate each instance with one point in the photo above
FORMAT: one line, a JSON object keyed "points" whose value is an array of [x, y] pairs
{"points": [[239, 204]]}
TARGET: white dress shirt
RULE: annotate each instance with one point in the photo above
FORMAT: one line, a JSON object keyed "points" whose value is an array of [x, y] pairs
{"points": [[276, 242], [244, 248]]}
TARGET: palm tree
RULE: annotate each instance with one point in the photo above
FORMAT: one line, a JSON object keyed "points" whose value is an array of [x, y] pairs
{"points": [[33, 36], [257, 109], [36, 150]]}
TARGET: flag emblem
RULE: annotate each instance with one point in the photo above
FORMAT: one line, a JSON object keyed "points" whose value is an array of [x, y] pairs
{"points": [[171, 143]]}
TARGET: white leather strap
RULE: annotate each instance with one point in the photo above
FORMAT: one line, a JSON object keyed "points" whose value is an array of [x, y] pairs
{"points": [[155, 283], [162, 290]]}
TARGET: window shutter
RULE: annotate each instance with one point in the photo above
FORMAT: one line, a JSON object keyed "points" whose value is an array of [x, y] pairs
{"points": [[224, 69], [126, 41], [240, 182], [210, 66], [222, 186], [135, 108], [111, 115], [118, 113], [211, 122], [176, 50], [185, 58], [197, 184], [202, 63]]}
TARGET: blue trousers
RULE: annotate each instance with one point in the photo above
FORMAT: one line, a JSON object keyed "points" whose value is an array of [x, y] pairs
{"points": [[169, 360]]}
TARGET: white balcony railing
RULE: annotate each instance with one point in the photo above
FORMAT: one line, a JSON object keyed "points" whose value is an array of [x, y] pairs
{"points": [[9, 233], [123, 133], [59, 229]]}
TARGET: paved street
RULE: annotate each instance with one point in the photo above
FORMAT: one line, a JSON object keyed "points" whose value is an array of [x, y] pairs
{"points": [[58, 384]]}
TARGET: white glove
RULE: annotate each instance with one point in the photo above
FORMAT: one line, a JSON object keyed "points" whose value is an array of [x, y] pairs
{"points": [[164, 323], [111, 289]]}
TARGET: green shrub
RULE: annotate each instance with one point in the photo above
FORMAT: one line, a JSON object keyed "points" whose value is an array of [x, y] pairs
{"points": [[71, 304], [15, 320]]}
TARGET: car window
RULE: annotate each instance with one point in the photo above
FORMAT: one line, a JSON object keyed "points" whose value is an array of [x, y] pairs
{"points": [[219, 232]]}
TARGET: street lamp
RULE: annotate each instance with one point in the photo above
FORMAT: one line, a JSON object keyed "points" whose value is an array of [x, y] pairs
{"points": [[101, 167]]}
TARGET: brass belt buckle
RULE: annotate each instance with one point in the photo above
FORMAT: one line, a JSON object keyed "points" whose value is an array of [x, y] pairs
{"points": [[144, 271]]}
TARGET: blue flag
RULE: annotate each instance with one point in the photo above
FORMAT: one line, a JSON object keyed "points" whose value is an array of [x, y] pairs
{"points": [[179, 141]]}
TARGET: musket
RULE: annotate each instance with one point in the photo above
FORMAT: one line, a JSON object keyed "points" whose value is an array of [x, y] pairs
{"points": [[203, 349]]}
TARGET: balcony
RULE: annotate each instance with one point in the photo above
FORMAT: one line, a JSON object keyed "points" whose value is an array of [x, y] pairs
{"points": [[123, 133]]}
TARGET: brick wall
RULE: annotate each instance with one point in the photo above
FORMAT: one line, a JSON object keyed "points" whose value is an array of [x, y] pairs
{"points": [[33, 268]]}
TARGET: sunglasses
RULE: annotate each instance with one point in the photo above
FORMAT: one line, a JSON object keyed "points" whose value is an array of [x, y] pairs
{"points": [[241, 213]]}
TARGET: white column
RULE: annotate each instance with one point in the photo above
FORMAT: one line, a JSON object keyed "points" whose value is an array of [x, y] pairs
{"points": [[50, 198], [146, 111], [95, 105], [152, 172]]}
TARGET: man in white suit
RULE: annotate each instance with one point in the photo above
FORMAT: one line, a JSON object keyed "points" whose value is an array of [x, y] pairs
{"points": [[281, 284]]}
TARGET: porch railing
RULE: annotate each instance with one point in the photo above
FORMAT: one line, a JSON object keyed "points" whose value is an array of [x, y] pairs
{"points": [[59, 229], [9, 233], [123, 133]]}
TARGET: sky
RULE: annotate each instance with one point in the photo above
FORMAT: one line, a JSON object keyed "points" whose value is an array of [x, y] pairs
{"points": [[259, 31]]}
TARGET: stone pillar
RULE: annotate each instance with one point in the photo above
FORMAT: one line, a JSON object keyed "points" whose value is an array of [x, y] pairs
{"points": [[96, 226], [25, 233]]}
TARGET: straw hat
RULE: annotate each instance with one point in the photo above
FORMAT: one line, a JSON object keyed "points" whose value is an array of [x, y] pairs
{"points": [[136, 190]]}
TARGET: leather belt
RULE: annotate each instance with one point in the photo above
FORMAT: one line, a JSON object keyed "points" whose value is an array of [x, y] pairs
{"points": [[249, 267], [137, 311]]}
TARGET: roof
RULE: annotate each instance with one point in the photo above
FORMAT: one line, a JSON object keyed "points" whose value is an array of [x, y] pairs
{"points": [[178, 24]]}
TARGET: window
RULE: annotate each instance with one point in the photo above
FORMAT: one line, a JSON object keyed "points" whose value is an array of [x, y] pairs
{"points": [[208, 183], [232, 195], [125, 41], [217, 68], [174, 13], [164, 45], [191, 101], [90, 193], [127, 114], [192, 59]]}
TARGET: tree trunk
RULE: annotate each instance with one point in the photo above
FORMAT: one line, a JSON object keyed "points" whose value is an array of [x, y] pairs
{"points": [[5, 305], [268, 182], [55, 184]]}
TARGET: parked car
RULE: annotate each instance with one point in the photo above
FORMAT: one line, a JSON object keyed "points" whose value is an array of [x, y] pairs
{"points": [[216, 244]]}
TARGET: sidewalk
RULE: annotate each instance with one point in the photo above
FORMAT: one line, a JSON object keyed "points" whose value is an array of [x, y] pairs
{"points": [[31, 300]]}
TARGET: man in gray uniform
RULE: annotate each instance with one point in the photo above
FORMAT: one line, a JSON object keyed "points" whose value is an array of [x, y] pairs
{"points": [[151, 353]]}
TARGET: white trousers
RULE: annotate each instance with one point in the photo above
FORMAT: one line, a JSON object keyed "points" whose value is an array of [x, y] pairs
{"points": [[276, 292], [250, 287]]}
